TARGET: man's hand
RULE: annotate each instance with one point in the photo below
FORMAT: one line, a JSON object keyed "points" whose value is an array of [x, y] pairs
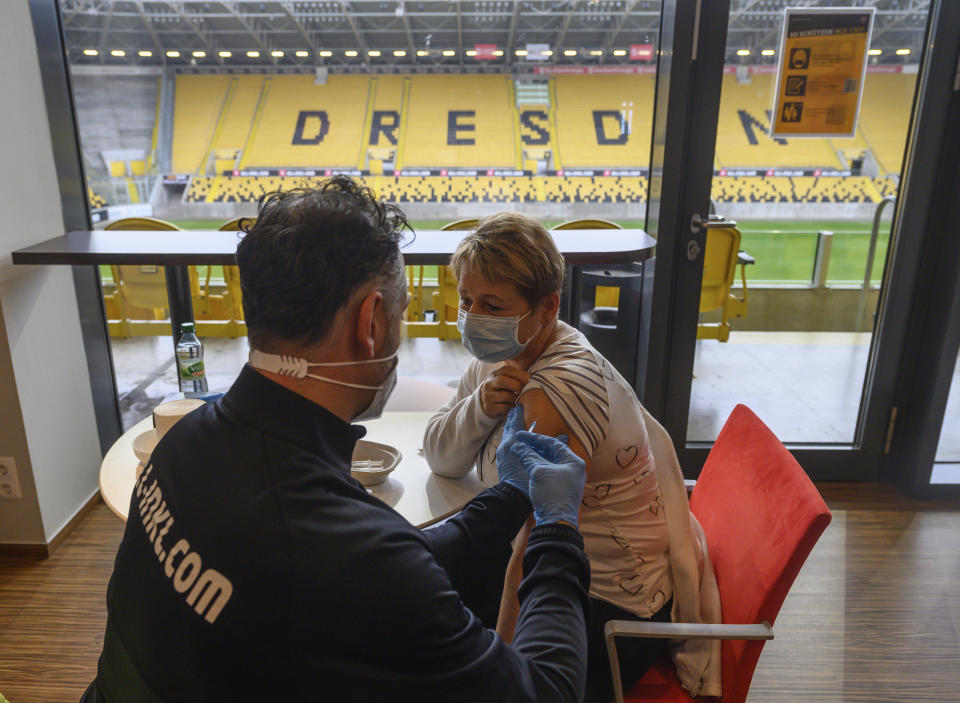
{"points": [[557, 477], [509, 468], [500, 391]]}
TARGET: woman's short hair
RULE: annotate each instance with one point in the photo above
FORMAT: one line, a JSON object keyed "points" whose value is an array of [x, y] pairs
{"points": [[512, 247]]}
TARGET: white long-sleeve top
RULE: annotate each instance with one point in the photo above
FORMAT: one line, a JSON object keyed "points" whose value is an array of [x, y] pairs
{"points": [[621, 517]]}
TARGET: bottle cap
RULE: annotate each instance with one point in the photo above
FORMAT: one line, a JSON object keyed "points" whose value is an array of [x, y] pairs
{"points": [[187, 327]]}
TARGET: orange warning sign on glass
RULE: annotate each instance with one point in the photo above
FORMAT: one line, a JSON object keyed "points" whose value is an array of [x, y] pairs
{"points": [[823, 60]]}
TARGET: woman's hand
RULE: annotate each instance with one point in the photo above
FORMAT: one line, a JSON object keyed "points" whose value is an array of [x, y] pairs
{"points": [[500, 391]]}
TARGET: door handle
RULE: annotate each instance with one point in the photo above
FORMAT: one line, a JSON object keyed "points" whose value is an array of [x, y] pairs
{"points": [[699, 222]]}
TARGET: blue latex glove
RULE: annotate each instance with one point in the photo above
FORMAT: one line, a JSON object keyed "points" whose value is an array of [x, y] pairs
{"points": [[557, 477], [509, 468]]}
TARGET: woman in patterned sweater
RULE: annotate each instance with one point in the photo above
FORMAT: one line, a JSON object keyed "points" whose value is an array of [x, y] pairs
{"points": [[510, 274]]}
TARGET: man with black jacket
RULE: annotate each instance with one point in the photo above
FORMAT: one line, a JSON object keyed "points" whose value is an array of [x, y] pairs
{"points": [[253, 567]]}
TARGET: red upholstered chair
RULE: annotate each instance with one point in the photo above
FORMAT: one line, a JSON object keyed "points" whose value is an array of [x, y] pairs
{"points": [[762, 516]]}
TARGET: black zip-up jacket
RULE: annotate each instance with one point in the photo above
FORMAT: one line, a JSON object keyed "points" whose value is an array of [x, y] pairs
{"points": [[254, 567]]}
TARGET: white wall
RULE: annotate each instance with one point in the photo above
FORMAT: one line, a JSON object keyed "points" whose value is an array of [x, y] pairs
{"points": [[46, 408]]}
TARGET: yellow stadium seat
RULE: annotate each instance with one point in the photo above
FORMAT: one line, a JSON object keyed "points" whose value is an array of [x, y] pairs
{"points": [[142, 288], [138, 167], [719, 267]]}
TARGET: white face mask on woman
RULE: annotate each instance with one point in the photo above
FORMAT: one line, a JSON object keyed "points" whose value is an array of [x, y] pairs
{"points": [[298, 368], [491, 338]]}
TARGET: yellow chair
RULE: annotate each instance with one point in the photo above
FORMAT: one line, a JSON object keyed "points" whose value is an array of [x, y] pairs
{"points": [[141, 289], [720, 261], [606, 296], [445, 300], [230, 302]]}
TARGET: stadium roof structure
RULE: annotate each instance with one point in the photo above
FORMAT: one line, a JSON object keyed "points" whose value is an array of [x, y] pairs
{"points": [[429, 34]]}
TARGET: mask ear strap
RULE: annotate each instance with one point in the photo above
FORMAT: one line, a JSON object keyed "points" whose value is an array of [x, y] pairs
{"points": [[343, 383], [279, 364]]}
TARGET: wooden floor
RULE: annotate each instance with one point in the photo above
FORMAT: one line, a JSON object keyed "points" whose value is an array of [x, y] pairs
{"points": [[873, 617]]}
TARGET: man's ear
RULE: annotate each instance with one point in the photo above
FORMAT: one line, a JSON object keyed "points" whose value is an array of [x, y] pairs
{"points": [[368, 326]]}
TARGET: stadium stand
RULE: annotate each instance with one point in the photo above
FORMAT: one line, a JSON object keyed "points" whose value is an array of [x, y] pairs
{"points": [[236, 119], [885, 116], [743, 126], [604, 120], [556, 189], [305, 124], [886, 185], [856, 189], [383, 126], [199, 189], [751, 190], [199, 101], [592, 189], [742, 131], [459, 121], [95, 201]]}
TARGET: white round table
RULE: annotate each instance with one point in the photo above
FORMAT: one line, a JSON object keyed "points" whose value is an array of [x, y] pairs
{"points": [[411, 489]]}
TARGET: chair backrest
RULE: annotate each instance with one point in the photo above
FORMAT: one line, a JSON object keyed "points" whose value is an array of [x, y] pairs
{"points": [[761, 515], [468, 223], [588, 224], [143, 286], [719, 266], [446, 272], [234, 225], [231, 274]]}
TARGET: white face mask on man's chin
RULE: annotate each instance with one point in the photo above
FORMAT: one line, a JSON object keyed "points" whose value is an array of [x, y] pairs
{"points": [[296, 367]]}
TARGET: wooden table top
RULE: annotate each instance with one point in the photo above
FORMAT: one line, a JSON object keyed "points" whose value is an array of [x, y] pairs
{"points": [[203, 246], [411, 489]]}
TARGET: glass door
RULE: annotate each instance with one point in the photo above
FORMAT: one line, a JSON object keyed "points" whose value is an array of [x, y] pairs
{"points": [[792, 298]]}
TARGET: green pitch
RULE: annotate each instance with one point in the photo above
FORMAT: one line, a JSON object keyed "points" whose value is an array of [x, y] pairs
{"points": [[784, 249]]}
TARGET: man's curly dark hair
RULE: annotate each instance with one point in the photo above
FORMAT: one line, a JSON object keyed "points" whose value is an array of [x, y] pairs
{"points": [[308, 251]]}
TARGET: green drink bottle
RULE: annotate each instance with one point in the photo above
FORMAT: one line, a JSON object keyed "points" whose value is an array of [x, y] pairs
{"points": [[190, 368]]}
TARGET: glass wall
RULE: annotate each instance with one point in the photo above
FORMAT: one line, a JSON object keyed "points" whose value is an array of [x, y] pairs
{"points": [[946, 468], [789, 333], [190, 112]]}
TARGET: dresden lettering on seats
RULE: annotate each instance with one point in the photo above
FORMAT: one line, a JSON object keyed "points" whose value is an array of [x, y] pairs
{"points": [[455, 125], [612, 120], [749, 122], [207, 592], [384, 122], [311, 122], [535, 121]]}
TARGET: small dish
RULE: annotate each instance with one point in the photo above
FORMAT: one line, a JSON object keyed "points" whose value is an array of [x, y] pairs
{"points": [[144, 444], [372, 462]]}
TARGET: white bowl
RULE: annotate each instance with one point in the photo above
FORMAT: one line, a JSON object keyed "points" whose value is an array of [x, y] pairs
{"points": [[387, 456]]}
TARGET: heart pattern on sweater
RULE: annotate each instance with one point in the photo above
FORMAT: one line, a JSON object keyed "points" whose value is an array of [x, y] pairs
{"points": [[607, 371], [621, 542], [656, 506], [626, 456], [593, 496], [629, 584]]}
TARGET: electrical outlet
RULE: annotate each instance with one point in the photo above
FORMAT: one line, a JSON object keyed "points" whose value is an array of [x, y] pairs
{"points": [[9, 485]]}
